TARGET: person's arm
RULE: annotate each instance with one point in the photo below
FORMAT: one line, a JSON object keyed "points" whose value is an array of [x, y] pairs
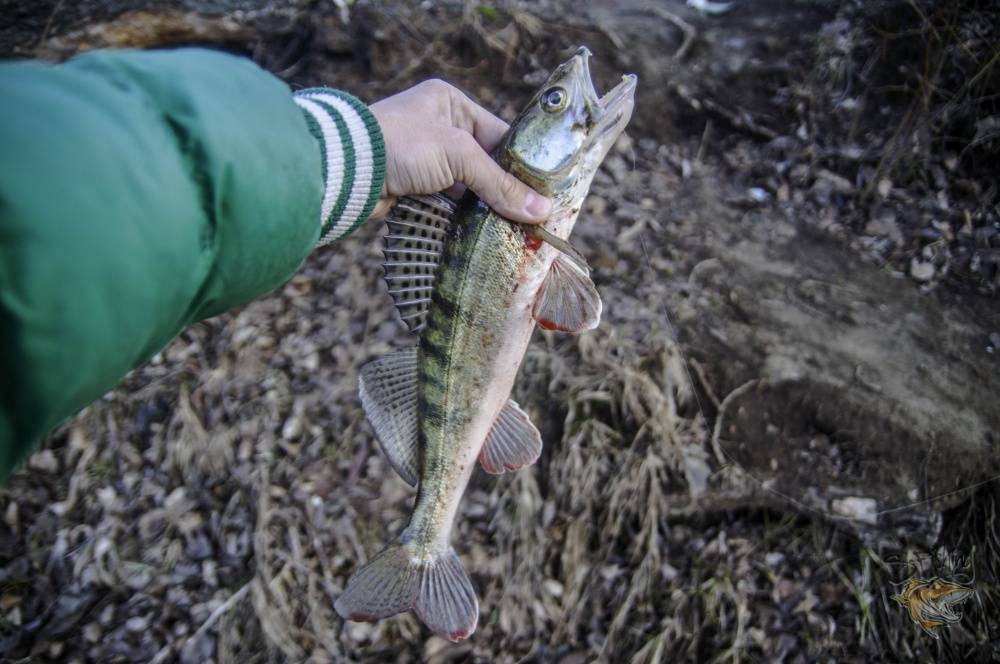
{"points": [[143, 191]]}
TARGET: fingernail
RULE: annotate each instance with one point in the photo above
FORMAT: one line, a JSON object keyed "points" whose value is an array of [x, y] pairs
{"points": [[537, 206]]}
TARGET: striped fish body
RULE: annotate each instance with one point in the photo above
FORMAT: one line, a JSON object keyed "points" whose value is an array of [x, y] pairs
{"points": [[478, 328]]}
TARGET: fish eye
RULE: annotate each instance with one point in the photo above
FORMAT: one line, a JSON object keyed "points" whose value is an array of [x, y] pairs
{"points": [[554, 99]]}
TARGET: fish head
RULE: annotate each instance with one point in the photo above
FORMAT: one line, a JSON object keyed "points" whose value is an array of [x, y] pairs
{"points": [[934, 603], [565, 131]]}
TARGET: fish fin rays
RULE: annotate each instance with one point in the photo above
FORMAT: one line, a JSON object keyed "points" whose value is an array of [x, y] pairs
{"points": [[512, 443], [437, 590], [417, 227], [568, 300], [386, 585], [388, 391], [446, 601]]}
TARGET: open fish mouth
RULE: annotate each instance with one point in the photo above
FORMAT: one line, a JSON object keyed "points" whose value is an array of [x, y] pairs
{"points": [[947, 604], [611, 111], [942, 611]]}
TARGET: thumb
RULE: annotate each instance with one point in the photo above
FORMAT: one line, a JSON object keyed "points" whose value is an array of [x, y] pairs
{"points": [[503, 192]]}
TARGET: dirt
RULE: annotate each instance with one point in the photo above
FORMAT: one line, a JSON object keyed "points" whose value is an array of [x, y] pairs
{"points": [[789, 407]]}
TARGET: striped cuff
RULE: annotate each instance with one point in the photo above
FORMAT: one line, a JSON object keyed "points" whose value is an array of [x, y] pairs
{"points": [[353, 156]]}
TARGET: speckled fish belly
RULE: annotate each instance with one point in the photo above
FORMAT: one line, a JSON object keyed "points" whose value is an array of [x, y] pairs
{"points": [[474, 285]]}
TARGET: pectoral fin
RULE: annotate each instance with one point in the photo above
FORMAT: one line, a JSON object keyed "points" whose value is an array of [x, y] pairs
{"points": [[388, 391], [539, 233], [512, 443], [568, 301]]}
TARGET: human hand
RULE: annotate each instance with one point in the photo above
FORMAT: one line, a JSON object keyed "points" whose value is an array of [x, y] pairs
{"points": [[436, 139]]}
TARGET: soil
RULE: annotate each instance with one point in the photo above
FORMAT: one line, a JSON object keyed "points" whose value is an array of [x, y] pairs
{"points": [[789, 409]]}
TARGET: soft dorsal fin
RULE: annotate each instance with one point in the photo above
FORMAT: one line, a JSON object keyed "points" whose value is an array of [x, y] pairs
{"points": [[388, 390], [417, 229], [512, 443], [568, 301]]}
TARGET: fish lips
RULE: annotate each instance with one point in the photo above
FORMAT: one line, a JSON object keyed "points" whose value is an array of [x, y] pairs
{"points": [[609, 112], [616, 107]]}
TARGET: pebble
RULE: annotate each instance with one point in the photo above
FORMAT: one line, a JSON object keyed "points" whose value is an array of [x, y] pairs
{"points": [[774, 558], [92, 632], [921, 271], [861, 509], [135, 624]]}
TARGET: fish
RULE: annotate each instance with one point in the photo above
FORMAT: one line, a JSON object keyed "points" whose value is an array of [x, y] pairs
{"points": [[933, 603], [474, 285]]}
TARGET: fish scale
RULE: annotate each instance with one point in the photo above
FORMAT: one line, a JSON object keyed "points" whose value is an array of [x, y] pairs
{"points": [[475, 285], [484, 258]]}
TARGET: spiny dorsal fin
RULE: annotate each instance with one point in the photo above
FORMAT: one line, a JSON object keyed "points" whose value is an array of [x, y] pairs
{"points": [[568, 301], [512, 443], [388, 390], [413, 246]]}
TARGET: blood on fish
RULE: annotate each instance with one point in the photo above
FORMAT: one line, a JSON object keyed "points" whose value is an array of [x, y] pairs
{"points": [[549, 325], [363, 617], [532, 243]]}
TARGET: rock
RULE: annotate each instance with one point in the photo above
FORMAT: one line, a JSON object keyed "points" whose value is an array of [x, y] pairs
{"points": [[92, 632], [859, 509], [136, 624], [921, 271], [774, 558]]}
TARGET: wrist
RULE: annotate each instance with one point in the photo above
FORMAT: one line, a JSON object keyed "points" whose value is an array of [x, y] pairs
{"points": [[352, 152]]}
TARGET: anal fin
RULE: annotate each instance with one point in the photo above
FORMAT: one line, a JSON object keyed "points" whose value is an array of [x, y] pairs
{"points": [[388, 391], [568, 301], [512, 443]]}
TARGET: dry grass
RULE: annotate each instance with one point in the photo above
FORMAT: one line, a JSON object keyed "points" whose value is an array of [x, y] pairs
{"points": [[215, 504]]}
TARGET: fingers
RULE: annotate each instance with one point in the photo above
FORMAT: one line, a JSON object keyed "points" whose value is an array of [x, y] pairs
{"points": [[382, 207], [503, 192], [485, 127]]}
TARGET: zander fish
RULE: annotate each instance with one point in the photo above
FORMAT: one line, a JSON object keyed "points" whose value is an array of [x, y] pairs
{"points": [[474, 284], [934, 603]]}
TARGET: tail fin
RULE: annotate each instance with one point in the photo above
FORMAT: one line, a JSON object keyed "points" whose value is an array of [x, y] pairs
{"points": [[447, 602], [438, 591]]}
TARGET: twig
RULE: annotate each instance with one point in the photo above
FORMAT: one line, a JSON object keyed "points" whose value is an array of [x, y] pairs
{"points": [[706, 136], [721, 456], [213, 617], [703, 379], [48, 24], [741, 120], [689, 30]]}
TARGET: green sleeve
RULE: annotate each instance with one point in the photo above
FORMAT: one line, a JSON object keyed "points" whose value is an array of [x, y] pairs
{"points": [[140, 192]]}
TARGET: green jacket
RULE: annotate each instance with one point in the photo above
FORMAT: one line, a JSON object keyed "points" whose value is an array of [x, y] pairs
{"points": [[144, 191]]}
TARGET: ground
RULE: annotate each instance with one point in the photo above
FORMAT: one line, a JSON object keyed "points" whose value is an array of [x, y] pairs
{"points": [[788, 410]]}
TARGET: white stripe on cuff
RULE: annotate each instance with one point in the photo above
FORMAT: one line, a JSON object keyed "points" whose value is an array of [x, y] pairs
{"points": [[362, 164], [334, 156]]}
